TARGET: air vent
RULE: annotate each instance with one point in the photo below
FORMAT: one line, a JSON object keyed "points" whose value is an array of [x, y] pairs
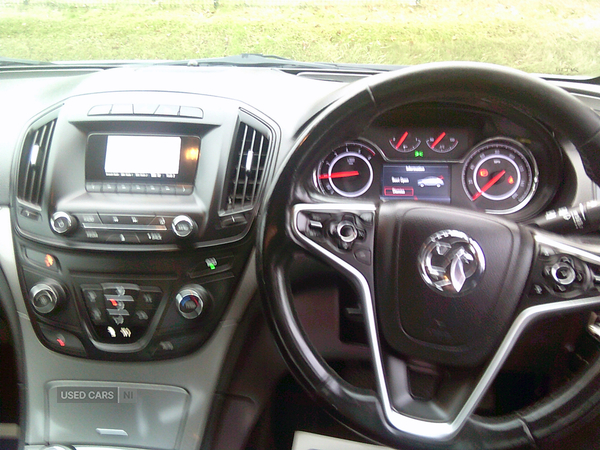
{"points": [[247, 168], [33, 163]]}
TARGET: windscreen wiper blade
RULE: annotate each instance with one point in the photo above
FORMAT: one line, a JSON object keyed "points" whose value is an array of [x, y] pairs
{"points": [[14, 62], [274, 61]]}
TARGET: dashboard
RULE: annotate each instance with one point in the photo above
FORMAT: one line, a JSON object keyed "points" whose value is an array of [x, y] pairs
{"points": [[127, 231]]}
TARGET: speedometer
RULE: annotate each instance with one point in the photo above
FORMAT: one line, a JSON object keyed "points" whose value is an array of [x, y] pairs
{"points": [[500, 176], [347, 170]]}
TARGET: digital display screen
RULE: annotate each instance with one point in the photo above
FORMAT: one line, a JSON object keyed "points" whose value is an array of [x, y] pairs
{"points": [[142, 156], [426, 182], [147, 159]]}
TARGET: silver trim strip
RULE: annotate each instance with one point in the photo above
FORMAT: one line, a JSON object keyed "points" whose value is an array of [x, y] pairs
{"points": [[544, 239], [121, 227], [435, 431], [111, 432]]}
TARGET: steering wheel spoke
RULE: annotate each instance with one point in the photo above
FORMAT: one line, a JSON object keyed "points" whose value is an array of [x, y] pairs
{"points": [[341, 233]]}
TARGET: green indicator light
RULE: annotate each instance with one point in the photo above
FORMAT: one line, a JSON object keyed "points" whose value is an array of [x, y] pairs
{"points": [[211, 263], [418, 154]]}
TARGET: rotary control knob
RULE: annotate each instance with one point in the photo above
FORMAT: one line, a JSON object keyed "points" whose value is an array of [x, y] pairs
{"points": [[347, 231], [563, 273], [191, 301], [46, 296], [63, 223], [183, 226]]}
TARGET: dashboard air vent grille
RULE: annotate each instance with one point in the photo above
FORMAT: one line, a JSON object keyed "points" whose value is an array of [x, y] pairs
{"points": [[247, 168], [33, 163]]}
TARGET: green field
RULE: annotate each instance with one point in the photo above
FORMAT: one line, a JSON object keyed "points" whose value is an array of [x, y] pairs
{"points": [[537, 36]]}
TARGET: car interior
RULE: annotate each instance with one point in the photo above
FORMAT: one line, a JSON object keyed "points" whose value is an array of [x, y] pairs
{"points": [[272, 257]]}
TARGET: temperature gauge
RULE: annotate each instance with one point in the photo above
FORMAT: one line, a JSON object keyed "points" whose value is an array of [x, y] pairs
{"points": [[442, 142], [405, 142]]}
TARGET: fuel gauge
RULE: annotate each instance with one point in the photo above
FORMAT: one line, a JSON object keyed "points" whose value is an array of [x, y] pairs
{"points": [[405, 142], [442, 142]]}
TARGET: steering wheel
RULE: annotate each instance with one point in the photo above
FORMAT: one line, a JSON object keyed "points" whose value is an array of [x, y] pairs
{"points": [[438, 284]]}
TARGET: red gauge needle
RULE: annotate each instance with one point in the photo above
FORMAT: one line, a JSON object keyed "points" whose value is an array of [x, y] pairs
{"points": [[401, 140], [352, 173], [439, 138], [489, 184]]}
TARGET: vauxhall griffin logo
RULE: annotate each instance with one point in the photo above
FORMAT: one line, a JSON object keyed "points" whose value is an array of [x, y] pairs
{"points": [[451, 263]]}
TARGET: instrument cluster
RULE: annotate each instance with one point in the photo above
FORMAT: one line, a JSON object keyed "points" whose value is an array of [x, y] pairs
{"points": [[477, 161]]}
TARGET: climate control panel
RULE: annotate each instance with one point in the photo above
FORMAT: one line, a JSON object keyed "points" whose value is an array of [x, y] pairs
{"points": [[128, 306], [120, 311]]}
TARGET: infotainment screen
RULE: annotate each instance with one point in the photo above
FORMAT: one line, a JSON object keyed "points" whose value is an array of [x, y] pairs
{"points": [[142, 156], [147, 159]]}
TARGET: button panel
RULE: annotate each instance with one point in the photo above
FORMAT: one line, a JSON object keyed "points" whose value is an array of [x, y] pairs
{"points": [[125, 228], [192, 112], [120, 312], [138, 188]]}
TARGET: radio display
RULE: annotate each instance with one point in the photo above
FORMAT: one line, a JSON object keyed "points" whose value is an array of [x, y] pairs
{"points": [[142, 158], [427, 182]]}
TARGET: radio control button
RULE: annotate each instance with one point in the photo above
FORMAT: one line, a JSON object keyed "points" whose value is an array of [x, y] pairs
{"points": [[152, 189], [121, 219], [167, 190], [122, 108], [100, 110], [111, 219], [165, 221], [88, 218], [123, 188], [156, 237], [183, 226], [93, 235], [109, 188], [191, 111], [123, 238], [146, 109], [138, 188], [184, 189], [63, 223], [167, 110], [141, 220], [93, 187]]}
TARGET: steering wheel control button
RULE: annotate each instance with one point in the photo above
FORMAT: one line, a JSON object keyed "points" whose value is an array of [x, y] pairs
{"points": [[46, 296], [450, 262], [183, 226], [63, 223], [190, 301], [563, 273], [363, 255], [347, 231]]}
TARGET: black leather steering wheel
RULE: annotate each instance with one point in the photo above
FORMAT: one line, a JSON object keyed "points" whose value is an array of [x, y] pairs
{"points": [[481, 301]]}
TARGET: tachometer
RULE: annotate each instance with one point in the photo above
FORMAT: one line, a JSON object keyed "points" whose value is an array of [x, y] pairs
{"points": [[347, 170], [500, 176]]}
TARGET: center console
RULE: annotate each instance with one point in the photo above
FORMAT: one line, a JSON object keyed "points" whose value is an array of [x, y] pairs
{"points": [[133, 219]]}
